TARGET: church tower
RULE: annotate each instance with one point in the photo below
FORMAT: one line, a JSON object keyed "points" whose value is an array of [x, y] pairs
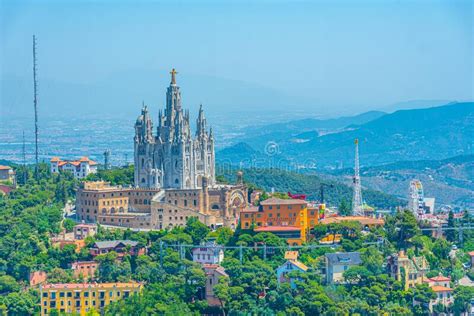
{"points": [[173, 159]]}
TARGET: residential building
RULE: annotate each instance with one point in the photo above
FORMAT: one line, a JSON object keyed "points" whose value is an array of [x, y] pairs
{"points": [[84, 269], [291, 219], [411, 271], [80, 168], [439, 280], [444, 296], [37, 277], [214, 273], [337, 263], [80, 298], [291, 265], [209, 253], [7, 174], [121, 247], [81, 231]]}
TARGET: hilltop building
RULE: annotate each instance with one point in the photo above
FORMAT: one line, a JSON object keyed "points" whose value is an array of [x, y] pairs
{"points": [[121, 247], [99, 202], [7, 174], [173, 158], [209, 253], [81, 231], [80, 298], [414, 269], [214, 273], [337, 263], [291, 265], [37, 278], [79, 168], [183, 167], [84, 269], [291, 219]]}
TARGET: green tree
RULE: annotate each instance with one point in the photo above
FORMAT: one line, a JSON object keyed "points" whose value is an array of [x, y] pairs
{"points": [[197, 230], [451, 234]]}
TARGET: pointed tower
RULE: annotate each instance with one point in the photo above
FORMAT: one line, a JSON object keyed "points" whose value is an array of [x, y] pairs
{"points": [[357, 197]]}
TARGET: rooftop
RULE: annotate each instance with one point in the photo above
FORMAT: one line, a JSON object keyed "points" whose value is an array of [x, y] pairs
{"points": [[114, 243], [439, 288], [439, 278], [291, 255], [349, 258], [74, 286], [5, 167], [276, 201]]}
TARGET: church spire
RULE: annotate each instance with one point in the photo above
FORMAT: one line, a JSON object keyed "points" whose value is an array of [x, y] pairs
{"points": [[201, 122]]}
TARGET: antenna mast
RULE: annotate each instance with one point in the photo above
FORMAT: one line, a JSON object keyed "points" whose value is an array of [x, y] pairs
{"points": [[357, 198], [24, 159], [35, 100]]}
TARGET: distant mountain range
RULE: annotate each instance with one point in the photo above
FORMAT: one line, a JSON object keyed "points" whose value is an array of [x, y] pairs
{"points": [[430, 134]]}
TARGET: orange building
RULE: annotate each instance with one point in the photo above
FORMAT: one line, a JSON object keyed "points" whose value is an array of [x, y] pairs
{"points": [[291, 219]]}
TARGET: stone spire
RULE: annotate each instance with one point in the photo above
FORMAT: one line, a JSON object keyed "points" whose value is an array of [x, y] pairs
{"points": [[201, 123]]}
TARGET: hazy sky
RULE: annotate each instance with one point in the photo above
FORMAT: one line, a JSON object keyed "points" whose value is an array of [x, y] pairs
{"points": [[349, 53]]}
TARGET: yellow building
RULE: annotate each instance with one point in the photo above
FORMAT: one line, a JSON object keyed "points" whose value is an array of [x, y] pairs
{"points": [[82, 297], [411, 271]]}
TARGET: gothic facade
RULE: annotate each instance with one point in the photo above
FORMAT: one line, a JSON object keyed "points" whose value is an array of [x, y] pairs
{"points": [[174, 158]]}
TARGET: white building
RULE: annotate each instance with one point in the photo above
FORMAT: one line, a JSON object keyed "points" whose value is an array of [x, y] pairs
{"points": [[79, 168], [209, 253]]}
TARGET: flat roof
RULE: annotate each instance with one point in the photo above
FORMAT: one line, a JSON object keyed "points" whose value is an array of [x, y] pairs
{"points": [[276, 201]]}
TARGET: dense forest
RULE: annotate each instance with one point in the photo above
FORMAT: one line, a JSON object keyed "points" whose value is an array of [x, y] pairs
{"points": [[287, 181], [31, 214]]}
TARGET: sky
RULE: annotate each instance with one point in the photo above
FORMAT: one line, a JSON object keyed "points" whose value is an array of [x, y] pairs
{"points": [[350, 55]]}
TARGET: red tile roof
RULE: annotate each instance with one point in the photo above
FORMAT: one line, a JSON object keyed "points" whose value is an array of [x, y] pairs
{"points": [[277, 229], [5, 167], [70, 286], [440, 278], [439, 288], [471, 253]]}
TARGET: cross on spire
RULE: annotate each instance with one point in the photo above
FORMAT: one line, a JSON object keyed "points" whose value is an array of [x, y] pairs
{"points": [[173, 73]]}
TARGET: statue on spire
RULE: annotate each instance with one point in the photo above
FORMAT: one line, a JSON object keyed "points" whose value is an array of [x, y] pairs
{"points": [[173, 73]]}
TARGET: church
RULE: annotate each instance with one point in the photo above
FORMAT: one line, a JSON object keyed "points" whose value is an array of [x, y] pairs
{"points": [[174, 158], [182, 167]]}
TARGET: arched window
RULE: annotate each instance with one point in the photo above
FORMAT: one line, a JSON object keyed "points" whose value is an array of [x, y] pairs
{"points": [[143, 180], [215, 207], [176, 181]]}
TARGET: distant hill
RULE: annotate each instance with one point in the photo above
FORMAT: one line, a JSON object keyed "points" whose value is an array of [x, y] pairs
{"points": [[310, 127], [284, 181], [450, 180], [432, 133]]}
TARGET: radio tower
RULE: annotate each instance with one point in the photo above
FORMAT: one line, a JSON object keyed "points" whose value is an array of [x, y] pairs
{"points": [[24, 160], [36, 107], [357, 198]]}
